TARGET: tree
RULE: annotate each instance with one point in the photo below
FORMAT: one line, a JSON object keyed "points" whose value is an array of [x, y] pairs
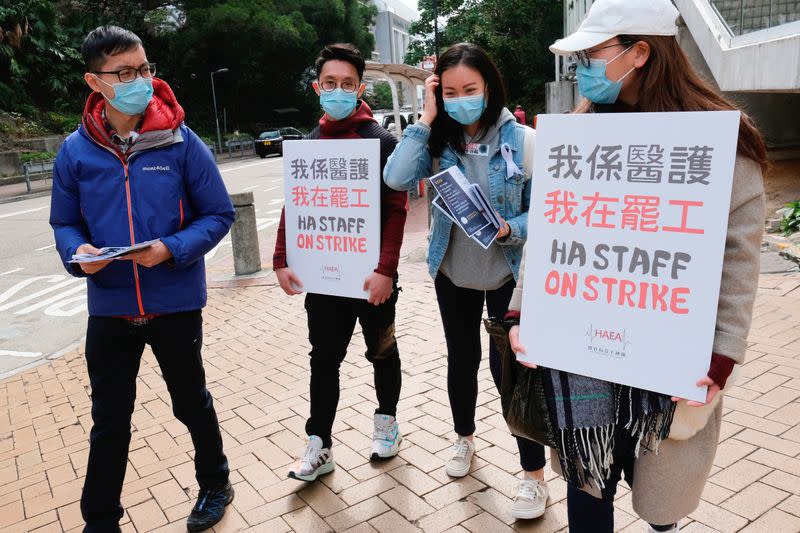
{"points": [[380, 97], [515, 33], [38, 65], [267, 45]]}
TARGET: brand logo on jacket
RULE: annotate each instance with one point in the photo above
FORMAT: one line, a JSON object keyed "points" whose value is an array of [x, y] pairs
{"points": [[156, 168]]}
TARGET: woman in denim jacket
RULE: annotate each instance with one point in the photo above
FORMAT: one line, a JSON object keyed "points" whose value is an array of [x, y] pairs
{"points": [[465, 123]]}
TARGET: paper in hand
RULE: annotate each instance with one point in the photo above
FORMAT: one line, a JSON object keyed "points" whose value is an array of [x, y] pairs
{"points": [[111, 252]]}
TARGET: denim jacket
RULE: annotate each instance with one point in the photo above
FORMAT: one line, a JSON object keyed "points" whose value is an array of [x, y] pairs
{"points": [[412, 162]]}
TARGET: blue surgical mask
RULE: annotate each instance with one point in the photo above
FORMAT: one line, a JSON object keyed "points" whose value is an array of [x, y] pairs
{"points": [[593, 83], [465, 110], [338, 104], [131, 98]]}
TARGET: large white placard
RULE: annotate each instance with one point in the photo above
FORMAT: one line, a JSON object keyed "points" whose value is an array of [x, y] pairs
{"points": [[333, 220], [626, 238]]}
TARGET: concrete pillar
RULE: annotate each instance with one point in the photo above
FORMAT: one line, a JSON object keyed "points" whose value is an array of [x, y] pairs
{"points": [[244, 235], [559, 96]]}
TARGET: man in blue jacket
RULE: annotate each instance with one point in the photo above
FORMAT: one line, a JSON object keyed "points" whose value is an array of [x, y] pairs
{"points": [[133, 172]]}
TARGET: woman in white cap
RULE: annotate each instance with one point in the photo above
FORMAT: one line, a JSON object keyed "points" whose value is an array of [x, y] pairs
{"points": [[629, 61], [465, 123]]}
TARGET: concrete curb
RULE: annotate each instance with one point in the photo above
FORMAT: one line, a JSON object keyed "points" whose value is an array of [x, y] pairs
{"points": [[783, 246], [26, 196]]}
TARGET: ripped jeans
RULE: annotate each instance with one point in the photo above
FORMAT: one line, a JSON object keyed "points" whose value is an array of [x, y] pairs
{"points": [[331, 322]]}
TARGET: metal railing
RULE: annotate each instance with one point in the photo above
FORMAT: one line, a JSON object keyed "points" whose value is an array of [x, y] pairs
{"points": [[35, 168], [747, 16], [237, 148]]}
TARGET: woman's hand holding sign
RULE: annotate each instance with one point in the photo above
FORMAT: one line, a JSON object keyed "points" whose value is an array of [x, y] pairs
{"points": [[516, 345], [713, 389]]}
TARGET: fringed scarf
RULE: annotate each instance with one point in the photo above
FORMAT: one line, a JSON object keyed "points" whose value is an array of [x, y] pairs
{"points": [[586, 413]]}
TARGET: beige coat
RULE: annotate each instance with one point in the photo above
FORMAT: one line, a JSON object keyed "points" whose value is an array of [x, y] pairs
{"points": [[668, 485]]}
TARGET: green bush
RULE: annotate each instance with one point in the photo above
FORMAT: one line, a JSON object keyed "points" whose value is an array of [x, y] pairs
{"points": [[28, 157], [62, 122], [28, 128], [791, 218]]}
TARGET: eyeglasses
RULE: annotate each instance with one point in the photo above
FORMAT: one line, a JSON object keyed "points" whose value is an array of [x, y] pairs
{"points": [[127, 75], [346, 86], [583, 58]]}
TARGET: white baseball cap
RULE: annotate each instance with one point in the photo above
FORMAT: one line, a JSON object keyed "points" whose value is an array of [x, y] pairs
{"points": [[608, 18]]}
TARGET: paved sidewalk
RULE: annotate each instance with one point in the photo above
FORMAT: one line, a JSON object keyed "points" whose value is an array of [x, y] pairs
{"points": [[256, 360]]}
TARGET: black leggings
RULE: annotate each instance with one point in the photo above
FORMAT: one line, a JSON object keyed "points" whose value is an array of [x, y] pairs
{"points": [[462, 311]]}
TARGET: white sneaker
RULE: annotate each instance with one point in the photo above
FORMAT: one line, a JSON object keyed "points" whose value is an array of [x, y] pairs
{"points": [[315, 462], [531, 499], [386, 439], [461, 461]]}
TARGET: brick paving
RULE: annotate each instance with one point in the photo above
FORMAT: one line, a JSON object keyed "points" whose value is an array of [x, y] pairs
{"points": [[256, 360]]}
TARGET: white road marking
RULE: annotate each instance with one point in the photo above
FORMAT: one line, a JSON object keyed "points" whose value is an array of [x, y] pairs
{"points": [[53, 299], [250, 188], [211, 253], [58, 281], [266, 224], [45, 247], [241, 167], [28, 355], [15, 213], [10, 271], [58, 308]]}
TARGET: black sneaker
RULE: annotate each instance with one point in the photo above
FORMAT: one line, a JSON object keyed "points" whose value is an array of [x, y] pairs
{"points": [[210, 508]]}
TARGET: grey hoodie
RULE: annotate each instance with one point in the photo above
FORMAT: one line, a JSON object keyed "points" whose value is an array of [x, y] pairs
{"points": [[466, 263]]}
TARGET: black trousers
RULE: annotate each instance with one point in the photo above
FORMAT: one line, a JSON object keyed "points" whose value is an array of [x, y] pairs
{"points": [[462, 311], [331, 322], [114, 349]]}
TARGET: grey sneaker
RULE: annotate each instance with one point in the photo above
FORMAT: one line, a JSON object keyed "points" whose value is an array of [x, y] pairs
{"points": [[531, 499], [315, 462], [459, 464]]}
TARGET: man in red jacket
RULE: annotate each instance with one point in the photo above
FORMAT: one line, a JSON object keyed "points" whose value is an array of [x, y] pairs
{"points": [[331, 319]]}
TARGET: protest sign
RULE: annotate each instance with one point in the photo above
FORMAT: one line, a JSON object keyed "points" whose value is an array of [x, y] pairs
{"points": [[333, 221], [626, 239]]}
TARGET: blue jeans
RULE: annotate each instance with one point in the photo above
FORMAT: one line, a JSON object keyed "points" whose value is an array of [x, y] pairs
{"points": [[114, 349]]}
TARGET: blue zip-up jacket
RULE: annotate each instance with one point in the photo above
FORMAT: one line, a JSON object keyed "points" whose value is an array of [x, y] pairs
{"points": [[172, 191], [509, 196]]}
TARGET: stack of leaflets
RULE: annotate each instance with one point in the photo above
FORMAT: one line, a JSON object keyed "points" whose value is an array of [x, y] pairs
{"points": [[466, 205], [111, 252]]}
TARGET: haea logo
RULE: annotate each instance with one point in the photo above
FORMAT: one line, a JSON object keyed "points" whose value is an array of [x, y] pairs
{"points": [[333, 272], [610, 342], [156, 168]]}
